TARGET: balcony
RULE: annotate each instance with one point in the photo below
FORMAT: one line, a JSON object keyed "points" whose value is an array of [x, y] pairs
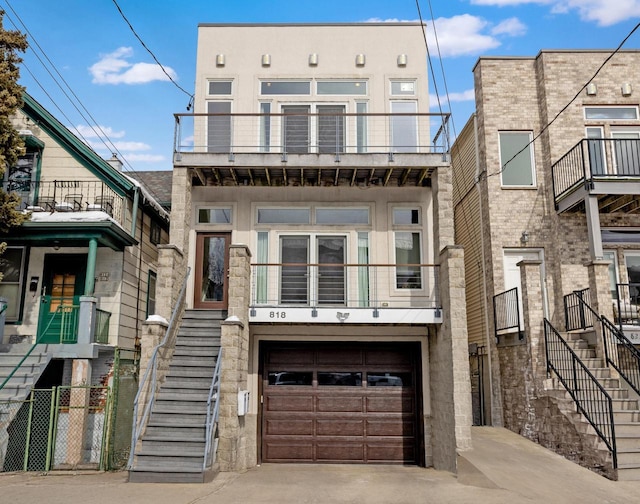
{"points": [[67, 196], [322, 149], [605, 167], [345, 293]]}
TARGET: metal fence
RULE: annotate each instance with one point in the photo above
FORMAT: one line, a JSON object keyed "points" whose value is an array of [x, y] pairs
{"points": [[506, 311]]}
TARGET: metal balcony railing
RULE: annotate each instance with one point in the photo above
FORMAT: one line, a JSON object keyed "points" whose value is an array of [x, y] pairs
{"points": [[577, 311], [321, 133], [626, 307], [345, 285], [506, 311], [596, 159], [66, 196]]}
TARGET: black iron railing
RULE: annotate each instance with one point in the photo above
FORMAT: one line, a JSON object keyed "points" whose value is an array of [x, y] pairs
{"points": [[506, 311], [620, 353], [66, 196], [595, 158], [577, 311], [626, 306], [591, 399]]}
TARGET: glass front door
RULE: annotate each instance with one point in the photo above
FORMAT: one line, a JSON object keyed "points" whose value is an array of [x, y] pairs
{"points": [[212, 270]]}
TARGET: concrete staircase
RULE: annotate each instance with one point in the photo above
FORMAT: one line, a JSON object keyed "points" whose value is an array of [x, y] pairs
{"points": [[21, 383], [626, 406], [173, 445]]}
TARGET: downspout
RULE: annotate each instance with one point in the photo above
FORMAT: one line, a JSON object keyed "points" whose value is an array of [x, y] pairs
{"points": [[134, 211], [484, 270]]}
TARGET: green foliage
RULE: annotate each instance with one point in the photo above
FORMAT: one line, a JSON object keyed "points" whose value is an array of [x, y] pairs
{"points": [[12, 43]]}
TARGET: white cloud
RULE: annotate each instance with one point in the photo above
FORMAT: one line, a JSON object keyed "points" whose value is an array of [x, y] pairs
{"points": [[113, 68], [468, 95], [512, 27], [132, 146], [96, 131], [144, 158], [602, 12]]}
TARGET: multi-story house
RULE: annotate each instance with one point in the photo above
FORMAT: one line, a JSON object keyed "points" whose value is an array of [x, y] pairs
{"points": [[546, 194], [312, 207], [79, 279]]}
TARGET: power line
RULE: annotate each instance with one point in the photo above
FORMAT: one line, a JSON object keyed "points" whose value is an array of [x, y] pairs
{"points": [[190, 95]]}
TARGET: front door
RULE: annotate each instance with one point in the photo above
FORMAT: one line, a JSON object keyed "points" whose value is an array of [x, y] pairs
{"points": [[212, 270], [62, 286]]}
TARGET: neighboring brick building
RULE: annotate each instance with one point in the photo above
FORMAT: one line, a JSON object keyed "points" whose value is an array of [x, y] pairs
{"points": [[313, 173], [545, 177]]}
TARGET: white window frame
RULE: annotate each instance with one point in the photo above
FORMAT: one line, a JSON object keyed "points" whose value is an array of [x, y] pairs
{"points": [[610, 107], [533, 184], [19, 286], [414, 93]]}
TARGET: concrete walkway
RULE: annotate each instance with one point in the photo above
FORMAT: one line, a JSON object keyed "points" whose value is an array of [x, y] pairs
{"points": [[502, 468]]}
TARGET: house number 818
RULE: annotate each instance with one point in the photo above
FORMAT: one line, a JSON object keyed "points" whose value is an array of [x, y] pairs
{"points": [[278, 314]]}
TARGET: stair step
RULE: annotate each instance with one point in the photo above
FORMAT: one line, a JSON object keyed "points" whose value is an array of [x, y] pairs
{"points": [[184, 418], [627, 428], [628, 457], [626, 416], [628, 472], [180, 444], [185, 360], [627, 442], [625, 404], [180, 407], [196, 351], [189, 372], [173, 461], [188, 381], [184, 432]]}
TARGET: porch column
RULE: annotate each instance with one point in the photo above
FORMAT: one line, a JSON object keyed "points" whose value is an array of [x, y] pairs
{"points": [[600, 298], [593, 227], [87, 320], [78, 409], [449, 381], [90, 279], [533, 316]]}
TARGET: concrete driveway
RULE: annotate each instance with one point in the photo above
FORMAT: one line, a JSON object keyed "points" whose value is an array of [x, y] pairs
{"points": [[502, 468]]}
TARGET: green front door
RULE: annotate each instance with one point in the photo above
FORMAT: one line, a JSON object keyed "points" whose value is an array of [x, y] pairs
{"points": [[62, 286]]}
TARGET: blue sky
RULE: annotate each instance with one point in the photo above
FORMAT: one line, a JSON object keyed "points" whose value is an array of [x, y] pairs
{"points": [[88, 46]]}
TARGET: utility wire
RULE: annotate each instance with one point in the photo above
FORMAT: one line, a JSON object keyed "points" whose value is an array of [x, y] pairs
{"points": [[546, 126], [190, 95]]}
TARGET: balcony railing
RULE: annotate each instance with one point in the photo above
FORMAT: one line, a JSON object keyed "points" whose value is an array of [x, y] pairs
{"points": [[66, 196], [626, 307], [374, 286], [322, 133], [506, 311], [577, 311], [593, 159]]}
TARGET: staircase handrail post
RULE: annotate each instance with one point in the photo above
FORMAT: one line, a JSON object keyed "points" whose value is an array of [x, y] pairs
{"points": [[212, 416], [152, 367]]}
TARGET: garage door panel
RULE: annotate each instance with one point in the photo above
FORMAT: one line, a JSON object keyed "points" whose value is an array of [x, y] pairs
{"points": [[340, 404], [393, 404], [288, 451], [283, 402], [340, 452], [391, 452], [289, 426], [391, 427], [343, 402], [339, 427]]}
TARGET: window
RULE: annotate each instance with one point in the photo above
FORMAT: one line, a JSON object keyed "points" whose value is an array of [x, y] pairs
{"points": [[296, 128], [342, 216], [516, 159], [151, 293], [610, 256], [155, 233], [337, 87], [626, 146], [11, 267], [285, 87], [220, 87], [330, 128], [361, 127], [595, 143], [403, 88], [214, 216], [404, 128], [219, 126], [19, 178], [611, 113], [407, 248], [405, 216], [265, 127], [284, 216]]}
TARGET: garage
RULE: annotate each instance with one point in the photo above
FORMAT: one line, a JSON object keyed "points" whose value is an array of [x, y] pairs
{"points": [[340, 402]]}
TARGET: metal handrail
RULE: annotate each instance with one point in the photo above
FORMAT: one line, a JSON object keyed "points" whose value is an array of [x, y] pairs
{"points": [[152, 369], [212, 416], [619, 352], [590, 397], [506, 310], [578, 313], [33, 346]]}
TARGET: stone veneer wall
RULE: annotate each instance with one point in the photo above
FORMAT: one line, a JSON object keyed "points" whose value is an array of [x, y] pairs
{"points": [[449, 367]]}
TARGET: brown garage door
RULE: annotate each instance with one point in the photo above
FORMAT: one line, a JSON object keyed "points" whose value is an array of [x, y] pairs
{"points": [[340, 403]]}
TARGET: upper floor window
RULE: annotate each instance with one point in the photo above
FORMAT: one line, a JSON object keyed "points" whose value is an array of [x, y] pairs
{"points": [[282, 87], [516, 159], [342, 87], [12, 268], [214, 216], [155, 233], [403, 88], [220, 87], [342, 216], [611, 113], [284, 216], [406, 216]]}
